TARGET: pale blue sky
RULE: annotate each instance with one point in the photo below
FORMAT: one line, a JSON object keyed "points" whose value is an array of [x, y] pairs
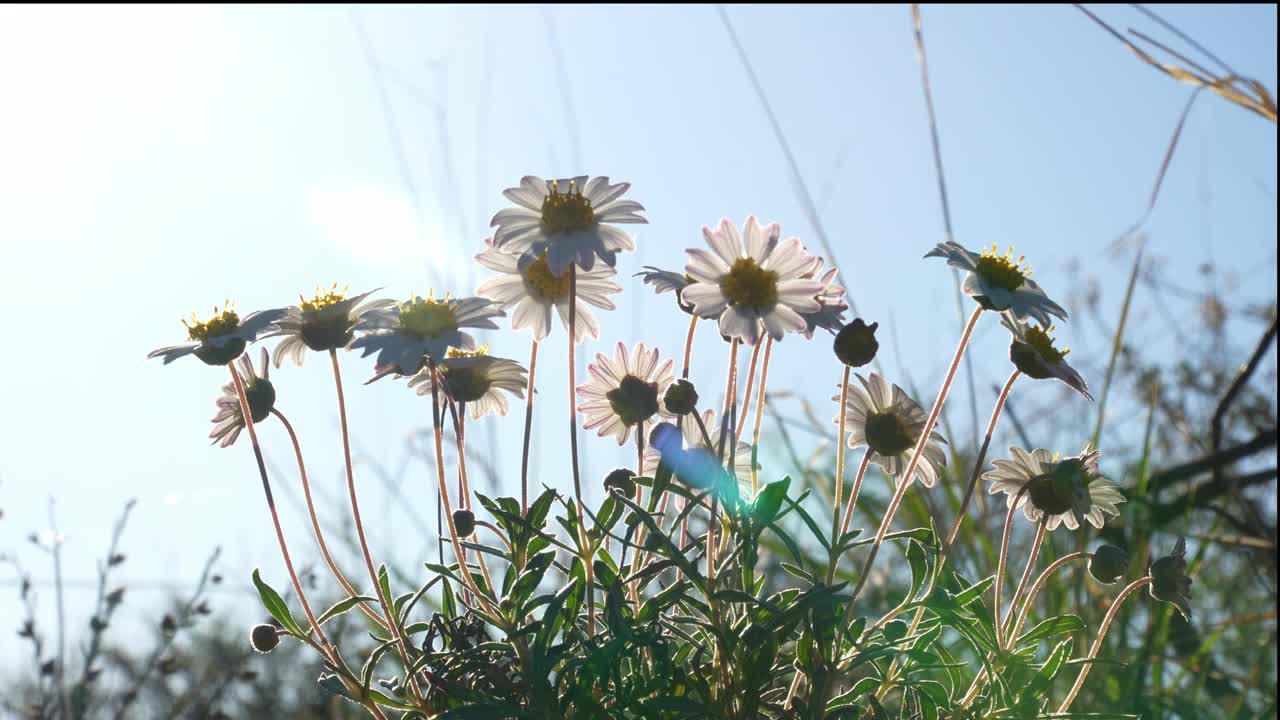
{"points": [[156, 160]]}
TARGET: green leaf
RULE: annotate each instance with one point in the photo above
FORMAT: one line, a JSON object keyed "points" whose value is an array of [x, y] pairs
{"points": [[384, 582], [1034, 691], [1052, 626], [342, 606], [918, 558], [275, 605], [769, 501]]}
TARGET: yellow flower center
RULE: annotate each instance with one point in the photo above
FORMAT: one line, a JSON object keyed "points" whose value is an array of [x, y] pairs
{"points": [[539, 281], [566, 211], [748, 284], [1003, 271], [428, 317], [223, 321], [324, 298], [1042, 342], [454, 352]]}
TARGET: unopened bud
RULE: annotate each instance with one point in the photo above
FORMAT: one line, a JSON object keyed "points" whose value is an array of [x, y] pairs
{"points": [[681, 397], [621, 480], [1108, 564], [856, 343], [263, 638], [464, 521]]}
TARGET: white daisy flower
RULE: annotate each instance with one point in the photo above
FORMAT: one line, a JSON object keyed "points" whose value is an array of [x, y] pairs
{"points": [[221, 338], [623, 391], [667, 281], [830, 314], [1068, 490], [693, 439], [882, 417], [325, 322], [408, 334], [570, 221], [531, 293], [997, 282], [229, 421], [475, 378], [1032, 352], [758, 288]]}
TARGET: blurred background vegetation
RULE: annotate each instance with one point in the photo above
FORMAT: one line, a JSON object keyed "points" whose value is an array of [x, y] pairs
{"points": [[1203, 467]]}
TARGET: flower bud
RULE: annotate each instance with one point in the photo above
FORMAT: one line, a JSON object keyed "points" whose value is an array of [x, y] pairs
{"points": [[623, 481], [681, 398], [263, 638], [262, 397], [1169, 581], [895, 630], [1108, 564], [856, 343], [464, 521]]}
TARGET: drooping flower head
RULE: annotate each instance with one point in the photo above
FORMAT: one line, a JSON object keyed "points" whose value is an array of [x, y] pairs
{"points": [[221, 338], [623, 391], [1068, 490], [667, 281], [324, 322], [998, 282], [475, 378], [568, 221], [530, 293], [830, 313], [410, 334], [1031, 351], [1169, 581], [762, 287], [882, 417], [258, 389]]}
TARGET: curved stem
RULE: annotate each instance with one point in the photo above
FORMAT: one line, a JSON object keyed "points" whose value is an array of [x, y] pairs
{"points": [[315, 522], [1022, 583], [438, 431], [853, 494], [755, 433], [684, 373], [731, 385], [838, 488], [908, 476], [688, 346], [978, 464], [1004, 553], [1097, 643], [981, 459], [528, 429], [383, 601], [573, 444], [1039, 583], [464, 486], [328, 650], [746, 398]]}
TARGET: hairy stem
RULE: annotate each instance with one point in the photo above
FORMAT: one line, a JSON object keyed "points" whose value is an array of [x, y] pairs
{"points": [[528, 430], [355, 513], [327, 649], [315, 523], [573, 445], [906, 480], [1097, 643], [755, 433]]}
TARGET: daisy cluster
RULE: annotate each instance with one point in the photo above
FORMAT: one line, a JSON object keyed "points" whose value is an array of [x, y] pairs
{"points": [[554, 254]]}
